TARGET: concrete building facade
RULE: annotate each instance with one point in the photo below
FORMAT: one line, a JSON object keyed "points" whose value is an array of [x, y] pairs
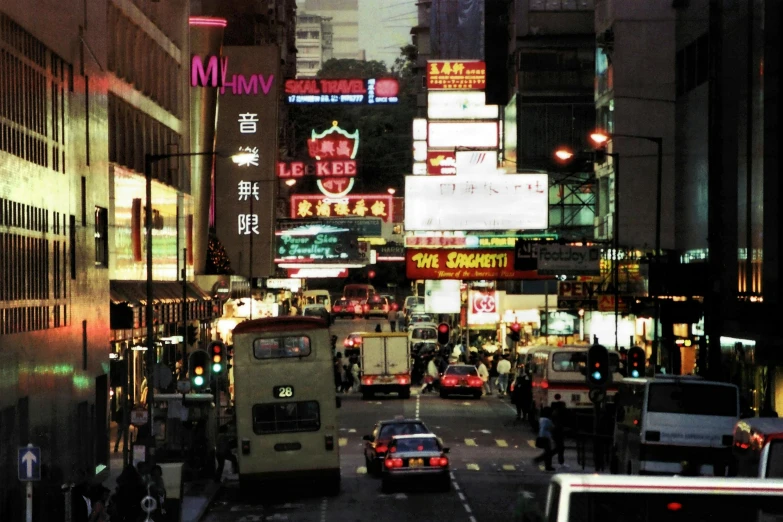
{"points": [[314, 44], [344, 15]]}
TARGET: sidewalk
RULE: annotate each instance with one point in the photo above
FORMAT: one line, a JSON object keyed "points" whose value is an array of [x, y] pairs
{"points": [[198, 494]]}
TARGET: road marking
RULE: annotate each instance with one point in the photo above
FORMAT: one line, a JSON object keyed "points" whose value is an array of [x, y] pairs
{"points": [[418, 406], [400, 496], [342, 441], [467, 507], [352, 430], [456, 486], [473, 467], [532, 444], [461, 496], [509, 467], [323, 510], [466, 404], [470, 442], [502, 443], [361, 470], [465, 504], [486, 431], [472, 518]]}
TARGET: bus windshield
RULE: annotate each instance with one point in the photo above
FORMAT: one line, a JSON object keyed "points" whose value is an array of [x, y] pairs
{"points": [[623, 506], [692, 399], [576, 361]]}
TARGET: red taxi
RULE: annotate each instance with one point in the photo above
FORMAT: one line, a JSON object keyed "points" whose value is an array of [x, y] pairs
{"points": [[461, 379]]}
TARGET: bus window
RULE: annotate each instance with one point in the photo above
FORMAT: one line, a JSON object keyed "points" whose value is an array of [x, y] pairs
{"points": [[692, 399], [280, 348], [576, 361], [775, 459], [286, 417]]}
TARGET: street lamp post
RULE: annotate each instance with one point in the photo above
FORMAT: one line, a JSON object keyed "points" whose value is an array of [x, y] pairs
{"points": [[600, 137]]}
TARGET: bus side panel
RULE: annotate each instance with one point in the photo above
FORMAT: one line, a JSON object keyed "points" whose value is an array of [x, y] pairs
{"points": [[293, 453]]}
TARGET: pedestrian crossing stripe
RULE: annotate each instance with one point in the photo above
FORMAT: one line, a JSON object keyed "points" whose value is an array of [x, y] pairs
{"points": [[509, 467], [342, 441], [470, 442], [502, 443], [473, 467], [361, 470]]}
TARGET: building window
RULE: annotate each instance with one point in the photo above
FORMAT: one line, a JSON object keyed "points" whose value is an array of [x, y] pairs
{"points": [[101, 237], [692, 65]]}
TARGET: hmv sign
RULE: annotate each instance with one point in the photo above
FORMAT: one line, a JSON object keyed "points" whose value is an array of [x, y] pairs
{"points": [[212, 71]]}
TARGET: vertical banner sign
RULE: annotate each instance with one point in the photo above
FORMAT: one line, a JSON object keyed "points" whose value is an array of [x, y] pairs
{"points": [[246, 185]]}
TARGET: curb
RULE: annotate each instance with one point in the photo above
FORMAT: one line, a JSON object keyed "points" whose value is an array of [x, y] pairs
{"points": [[212, 490]]}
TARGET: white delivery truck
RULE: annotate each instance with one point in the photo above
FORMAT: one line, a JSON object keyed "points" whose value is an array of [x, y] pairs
{"points": [[385, 364]]}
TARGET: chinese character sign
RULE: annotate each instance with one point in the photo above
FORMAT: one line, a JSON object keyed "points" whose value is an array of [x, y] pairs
{"points": [[456, 75], [246, 182], [355, 206]]}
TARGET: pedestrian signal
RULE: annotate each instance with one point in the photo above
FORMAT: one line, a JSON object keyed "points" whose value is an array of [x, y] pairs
{"points": [[515, 329], [198, 364], [217, 354], [443, 333], [598, 373], [636, 357]]}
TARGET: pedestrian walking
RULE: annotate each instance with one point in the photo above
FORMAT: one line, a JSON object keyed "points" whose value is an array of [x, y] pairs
{"points": [[481, 368], [392, 319], [122, 427], [125, 505], [99, 498], [503, 368], [544, 440], [356, 372], [432, 376], [338, 372], [226, 440], [378, 328], [522, 395], [559, 421]]}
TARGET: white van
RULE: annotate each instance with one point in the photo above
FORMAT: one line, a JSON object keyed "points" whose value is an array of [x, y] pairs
{"points": [[758, 448], [320, 297], [612, 498], [664, 421]]}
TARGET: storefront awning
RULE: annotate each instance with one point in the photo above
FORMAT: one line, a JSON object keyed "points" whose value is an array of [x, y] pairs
{"points": [[135, 292]]}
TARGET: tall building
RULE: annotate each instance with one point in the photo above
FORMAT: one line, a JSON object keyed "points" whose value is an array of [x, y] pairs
{"points": [[87, 90], [313, 44], [344, 15]]}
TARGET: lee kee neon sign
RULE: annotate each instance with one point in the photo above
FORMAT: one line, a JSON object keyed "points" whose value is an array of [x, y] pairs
{"points": [[216, 72], [324, 168]]}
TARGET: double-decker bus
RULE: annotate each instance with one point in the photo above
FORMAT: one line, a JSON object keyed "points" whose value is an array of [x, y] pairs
{"points": [[285, 403]]}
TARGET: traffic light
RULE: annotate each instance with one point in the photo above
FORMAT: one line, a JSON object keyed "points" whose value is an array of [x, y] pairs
{"points": [[515, 329], [443, 334], [198, 362], [598, 373], [636, 357], [217, 354]]}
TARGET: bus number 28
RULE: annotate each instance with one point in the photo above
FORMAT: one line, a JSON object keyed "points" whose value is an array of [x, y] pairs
{"points": [[283, 392]]}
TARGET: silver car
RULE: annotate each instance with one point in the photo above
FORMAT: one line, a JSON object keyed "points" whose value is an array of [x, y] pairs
{"points": [[415, 457]]}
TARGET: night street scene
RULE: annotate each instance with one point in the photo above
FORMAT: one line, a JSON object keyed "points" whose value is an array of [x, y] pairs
{"points": [[377, 260]]}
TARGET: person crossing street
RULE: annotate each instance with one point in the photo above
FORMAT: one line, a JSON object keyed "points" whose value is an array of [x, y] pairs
{"points": [[504, 367]]}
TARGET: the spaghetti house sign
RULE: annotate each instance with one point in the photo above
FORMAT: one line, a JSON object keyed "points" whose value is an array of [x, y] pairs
{"points": [[463, 264]]}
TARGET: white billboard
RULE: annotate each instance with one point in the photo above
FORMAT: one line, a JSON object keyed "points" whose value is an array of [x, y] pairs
{"points": [[441, 296], [474, 134], [502, 202], [477, 162], [455, 105]]}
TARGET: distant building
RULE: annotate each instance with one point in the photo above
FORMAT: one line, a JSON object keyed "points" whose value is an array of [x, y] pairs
{"points": [[344, 16], [313, 44]]}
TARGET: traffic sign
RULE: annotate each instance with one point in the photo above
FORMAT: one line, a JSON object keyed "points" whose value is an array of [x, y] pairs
{"points": [[29, 462], [596, 395]]}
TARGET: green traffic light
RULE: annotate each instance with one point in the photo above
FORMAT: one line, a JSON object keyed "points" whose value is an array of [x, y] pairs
{"points": [[199, 380], [216, 368]]}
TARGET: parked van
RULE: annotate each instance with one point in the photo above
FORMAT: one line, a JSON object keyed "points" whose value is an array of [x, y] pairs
{"points": [[358, 294], [758, 448], [320, 297]]}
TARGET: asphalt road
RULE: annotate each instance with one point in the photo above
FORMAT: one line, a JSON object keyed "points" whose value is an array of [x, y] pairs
{"points": [[490, 459]]}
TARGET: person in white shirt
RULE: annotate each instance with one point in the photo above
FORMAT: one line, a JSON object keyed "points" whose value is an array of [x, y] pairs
{"points": [[432, 375], [481, 368], [504, 367]]}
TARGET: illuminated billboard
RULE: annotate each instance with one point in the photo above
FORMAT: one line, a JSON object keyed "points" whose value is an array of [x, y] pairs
{"points": [[457, 105], [356, 205], [483, 307], [333, 152], [456, 75], [474, 134], [350, 91], [466, 265], [317, 244], [362, 227], [441, 163], [507, 202], [477, 161]]}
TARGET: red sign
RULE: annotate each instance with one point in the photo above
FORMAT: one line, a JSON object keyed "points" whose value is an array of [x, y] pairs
{"points": [[455, 75], [441, 163], [434, 241], [317, 272], [364, 205], [484, 303], [464, 264], [382, 87], [322, 168]]}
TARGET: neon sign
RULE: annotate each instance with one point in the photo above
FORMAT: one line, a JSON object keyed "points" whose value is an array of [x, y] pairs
{"points": [[353, 91], [365, 205], [215, 73]]}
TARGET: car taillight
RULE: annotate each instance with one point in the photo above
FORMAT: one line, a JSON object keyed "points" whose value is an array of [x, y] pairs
{"points": [[366, 307], [449, 381], [336, 308], [439, 461], [395, 306], [393, 463], [544, 385], [367, 381], [348, 342], [403, 379], [381, 449], [385, 308], [475, 381]]}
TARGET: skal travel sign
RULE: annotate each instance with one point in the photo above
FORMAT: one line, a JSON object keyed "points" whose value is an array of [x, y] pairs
{"points": [[313, 244], [463, 264], [332, 91]]}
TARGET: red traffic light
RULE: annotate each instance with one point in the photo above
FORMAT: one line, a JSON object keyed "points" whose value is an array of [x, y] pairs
{"points": [[443, 334], [516, 327], [443, 328]]}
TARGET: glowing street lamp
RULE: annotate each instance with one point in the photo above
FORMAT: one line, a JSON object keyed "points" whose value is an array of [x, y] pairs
{"points": [[391, 191], [564, 154], [599, 138], [290, 182]]}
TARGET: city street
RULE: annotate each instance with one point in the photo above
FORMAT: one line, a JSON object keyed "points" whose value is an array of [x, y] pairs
{"points": [[490, 458]]}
